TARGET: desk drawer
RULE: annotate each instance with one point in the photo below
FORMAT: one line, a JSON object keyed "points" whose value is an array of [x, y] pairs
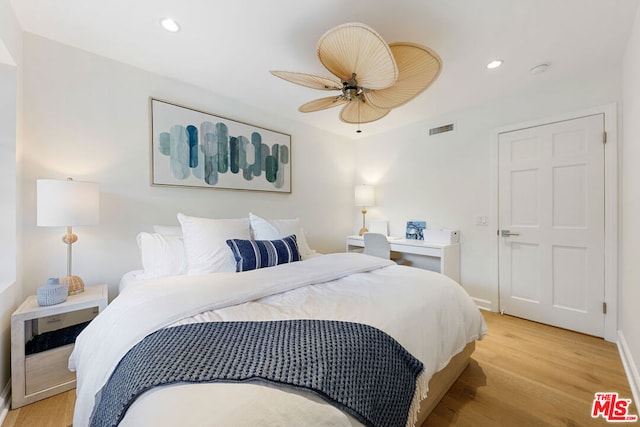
{"points": [[416, 249]]}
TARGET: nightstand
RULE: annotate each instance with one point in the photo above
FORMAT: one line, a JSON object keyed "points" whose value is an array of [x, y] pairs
{"points": [[42, 339]]}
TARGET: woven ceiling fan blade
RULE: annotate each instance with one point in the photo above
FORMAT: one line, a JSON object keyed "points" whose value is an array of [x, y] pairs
{"points": [[357, 112], [322, 104], [309, 80], [357, 48], [418, 68]]}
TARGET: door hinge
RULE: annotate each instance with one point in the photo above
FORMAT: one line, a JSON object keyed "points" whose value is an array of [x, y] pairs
{"points": [[604, 308], [604, 137]]}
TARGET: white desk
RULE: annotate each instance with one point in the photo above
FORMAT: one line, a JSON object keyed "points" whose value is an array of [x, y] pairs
{"points": [[447, 253]]}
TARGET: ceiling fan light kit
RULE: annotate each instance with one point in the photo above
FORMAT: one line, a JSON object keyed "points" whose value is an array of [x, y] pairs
{"points": [[373, 77]]}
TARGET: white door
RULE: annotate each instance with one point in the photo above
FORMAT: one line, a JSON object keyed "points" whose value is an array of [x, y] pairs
{"points": [[551, 219]]}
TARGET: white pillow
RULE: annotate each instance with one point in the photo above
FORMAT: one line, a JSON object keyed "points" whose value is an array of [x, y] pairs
{"points": [[168, 230], [205, 242], [162, 255], [274, 229]]}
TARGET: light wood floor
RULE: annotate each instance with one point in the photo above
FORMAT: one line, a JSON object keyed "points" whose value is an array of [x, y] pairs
{"points": [[521, 374], [527, 374]]}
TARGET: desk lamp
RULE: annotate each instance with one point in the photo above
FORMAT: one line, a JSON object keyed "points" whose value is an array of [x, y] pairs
{"points": [[364, 196]]}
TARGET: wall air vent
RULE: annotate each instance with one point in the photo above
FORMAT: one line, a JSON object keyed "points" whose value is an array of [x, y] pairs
{"points": [[441, 129]]}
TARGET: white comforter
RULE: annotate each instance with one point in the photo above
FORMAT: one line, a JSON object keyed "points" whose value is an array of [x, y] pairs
{"points": [[428, 313]]}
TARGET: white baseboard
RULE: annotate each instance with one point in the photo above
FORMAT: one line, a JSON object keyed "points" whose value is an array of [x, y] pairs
{"points": [[483, 304], [5, 401], [629, 367]]}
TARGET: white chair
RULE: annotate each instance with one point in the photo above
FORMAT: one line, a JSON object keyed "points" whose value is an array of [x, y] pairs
{"points": [[376, 244]]}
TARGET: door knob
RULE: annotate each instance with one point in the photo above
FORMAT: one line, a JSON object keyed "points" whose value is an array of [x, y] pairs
{"points": [[507, 233]]}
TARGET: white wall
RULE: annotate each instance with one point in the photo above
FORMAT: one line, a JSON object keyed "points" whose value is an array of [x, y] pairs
{"points": [[10, 35], [8, 225], [8, 89], [447, 179], [630, 208], [10, 118], [88, 117]]}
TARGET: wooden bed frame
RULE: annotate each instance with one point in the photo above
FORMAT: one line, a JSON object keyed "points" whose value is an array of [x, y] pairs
{"points": [[442, 380]]}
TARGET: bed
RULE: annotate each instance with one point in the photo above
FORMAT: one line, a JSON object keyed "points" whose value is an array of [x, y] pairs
{"points": [[430, 316]]}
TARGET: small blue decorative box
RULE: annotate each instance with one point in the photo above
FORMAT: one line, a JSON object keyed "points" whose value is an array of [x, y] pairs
{"points": [[53, 292]]}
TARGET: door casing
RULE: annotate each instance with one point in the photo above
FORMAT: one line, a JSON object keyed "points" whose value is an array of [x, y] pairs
{"points": [[611, 206]]}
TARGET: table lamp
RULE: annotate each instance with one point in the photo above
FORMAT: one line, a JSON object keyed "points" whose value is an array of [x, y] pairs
{"points": [[67, 204], [364, 196]]}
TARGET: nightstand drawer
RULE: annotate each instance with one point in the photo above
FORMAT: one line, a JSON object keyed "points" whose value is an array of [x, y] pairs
{"points": [[48, 369]]}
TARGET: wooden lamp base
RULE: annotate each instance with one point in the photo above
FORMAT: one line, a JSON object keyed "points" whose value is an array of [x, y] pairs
{"points": [[363, 229]]}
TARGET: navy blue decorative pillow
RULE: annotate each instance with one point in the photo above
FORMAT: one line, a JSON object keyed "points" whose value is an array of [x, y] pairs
{"points": [[253, 254]]}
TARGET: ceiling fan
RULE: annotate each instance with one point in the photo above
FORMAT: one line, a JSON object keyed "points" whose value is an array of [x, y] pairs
{"points": [[373, 77]]}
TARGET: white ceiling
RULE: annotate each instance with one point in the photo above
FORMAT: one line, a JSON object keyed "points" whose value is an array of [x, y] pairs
{"points": [[228, 47]]}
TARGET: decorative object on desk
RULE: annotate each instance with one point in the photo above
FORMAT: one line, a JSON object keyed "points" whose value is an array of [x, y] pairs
{"points": [[415, 230], [364, 196], [442, 236], [68, 203], [191, 148], [53, 292]]}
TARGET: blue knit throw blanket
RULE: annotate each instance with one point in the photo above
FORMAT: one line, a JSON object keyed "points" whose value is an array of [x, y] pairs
{"points": [[355, 367]]}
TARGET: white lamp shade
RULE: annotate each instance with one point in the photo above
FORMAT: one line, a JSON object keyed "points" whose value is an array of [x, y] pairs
{"points": [[365, 195], [67, 203]]}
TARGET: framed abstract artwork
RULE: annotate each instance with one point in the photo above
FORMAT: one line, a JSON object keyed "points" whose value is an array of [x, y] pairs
{"points": [[191, 148], [415, 230]]}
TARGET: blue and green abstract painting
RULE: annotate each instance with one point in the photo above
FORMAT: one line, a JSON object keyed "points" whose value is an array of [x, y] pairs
{"points": [[203, 151]]}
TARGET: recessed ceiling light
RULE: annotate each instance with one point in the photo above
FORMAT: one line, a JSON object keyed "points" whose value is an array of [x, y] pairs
{"points": [[170, 25], [494, 64]]}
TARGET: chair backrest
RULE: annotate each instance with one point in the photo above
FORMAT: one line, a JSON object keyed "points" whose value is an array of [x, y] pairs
{"points": [[376, 244]]}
